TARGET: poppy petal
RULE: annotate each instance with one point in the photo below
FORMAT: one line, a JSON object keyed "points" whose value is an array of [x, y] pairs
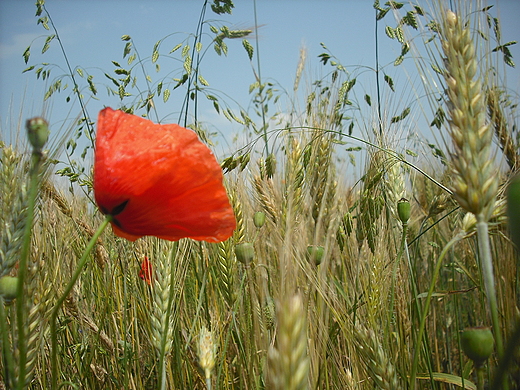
{"points": [[158, 180], [146, 271]]}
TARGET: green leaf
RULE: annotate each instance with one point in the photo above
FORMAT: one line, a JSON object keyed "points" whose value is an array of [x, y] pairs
{"points": [[79, 71], [368, 99], [449, 378], [126, 37], [28, 69]]}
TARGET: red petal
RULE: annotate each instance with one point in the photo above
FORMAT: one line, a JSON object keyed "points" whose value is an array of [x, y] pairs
{"points": [[146, 271], [170, 180]]}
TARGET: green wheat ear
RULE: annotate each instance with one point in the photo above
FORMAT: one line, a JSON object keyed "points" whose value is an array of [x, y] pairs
{"points": [[288, 361]]}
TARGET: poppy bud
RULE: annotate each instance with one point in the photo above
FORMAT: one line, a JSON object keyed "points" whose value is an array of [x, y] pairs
{"points": [[513, 210], [477, 343], [403, 210], [315, 253], [8, 287], [38, 132], [259, 219], [245, 252]]}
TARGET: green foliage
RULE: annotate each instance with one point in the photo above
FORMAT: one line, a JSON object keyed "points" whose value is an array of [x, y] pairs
{"points": [[362, 300]]}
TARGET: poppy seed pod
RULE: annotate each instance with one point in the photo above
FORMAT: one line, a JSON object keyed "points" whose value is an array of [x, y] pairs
{"points": [[8, 287], [403, 210], [513, 210], [245, 252], [477, 343], [38, 132], [315, 253], [259, 219]]}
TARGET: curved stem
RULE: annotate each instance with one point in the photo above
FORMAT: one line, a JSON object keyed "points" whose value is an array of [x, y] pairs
{"points": [[66, 292], [422, 324]]}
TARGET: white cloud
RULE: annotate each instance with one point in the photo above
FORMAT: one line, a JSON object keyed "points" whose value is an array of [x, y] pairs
{"points": [[16, 45]]}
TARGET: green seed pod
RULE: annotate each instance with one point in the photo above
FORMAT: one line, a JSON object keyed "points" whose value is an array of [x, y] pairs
{"points": [[403, 210], [38, 132], [259, 219], [245, 252], [477, 343], [315, 253], [513, 209], [8, 287]]}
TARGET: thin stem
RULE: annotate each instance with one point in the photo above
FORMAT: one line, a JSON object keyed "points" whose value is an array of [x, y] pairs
{"points": [[66, 292], [5, 344], [71, 74], [486, 264], [259, 79], [481, 376], [36, 161], [422, 324], [378, 87], [507, 360], [484, 251], [394, 275]]}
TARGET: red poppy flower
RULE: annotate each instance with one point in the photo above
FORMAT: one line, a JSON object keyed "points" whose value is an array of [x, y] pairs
{"points": [[146, 271], [158, 180]]}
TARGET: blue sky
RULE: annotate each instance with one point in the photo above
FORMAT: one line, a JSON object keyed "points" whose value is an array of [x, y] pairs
{"points": [[91, 34]]}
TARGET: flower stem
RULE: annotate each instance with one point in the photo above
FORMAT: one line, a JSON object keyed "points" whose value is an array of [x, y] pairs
{"points": [[489, 280], [486, 264], [422, 325], [68, 289]]}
